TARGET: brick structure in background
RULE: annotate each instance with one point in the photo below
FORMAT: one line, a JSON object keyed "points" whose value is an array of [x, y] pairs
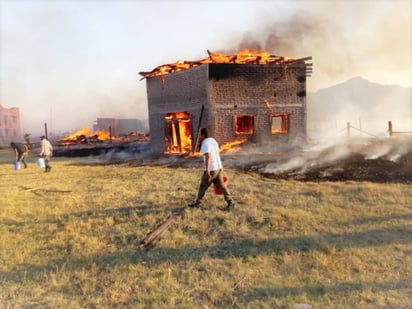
{"points": [[258, 102], [10, 127], [119, 127]]}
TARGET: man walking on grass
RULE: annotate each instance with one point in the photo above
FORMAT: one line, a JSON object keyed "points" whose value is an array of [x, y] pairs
{"points": [[21, 151], [213, 170], [46, 152]]}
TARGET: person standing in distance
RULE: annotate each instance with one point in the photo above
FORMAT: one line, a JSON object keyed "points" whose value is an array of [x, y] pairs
{"points": [[213, 170], [21, 151], [46, 152]]}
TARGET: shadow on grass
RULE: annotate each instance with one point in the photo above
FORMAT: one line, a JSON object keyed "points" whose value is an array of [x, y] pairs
{"points": [[377, 219], [238, 249], [121, 212], [317, 291], [126, 212]]}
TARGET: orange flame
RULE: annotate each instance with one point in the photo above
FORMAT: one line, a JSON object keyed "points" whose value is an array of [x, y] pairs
{"points": [[179, 138], [85, 132], [233, 146], [242, 57]]}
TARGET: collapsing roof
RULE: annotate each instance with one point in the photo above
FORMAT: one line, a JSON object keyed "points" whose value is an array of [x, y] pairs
{"points": [[243, 57]]}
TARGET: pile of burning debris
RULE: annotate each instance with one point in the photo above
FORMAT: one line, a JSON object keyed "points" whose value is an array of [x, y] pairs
{"points": [[84, 136], [83, 143]]}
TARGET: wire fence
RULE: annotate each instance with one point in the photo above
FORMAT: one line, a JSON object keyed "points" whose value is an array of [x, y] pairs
{"points": [[349, 127], [392, 133]]}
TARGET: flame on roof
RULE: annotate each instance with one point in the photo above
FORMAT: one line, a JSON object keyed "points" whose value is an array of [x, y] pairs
{"points": [[243, 57]]}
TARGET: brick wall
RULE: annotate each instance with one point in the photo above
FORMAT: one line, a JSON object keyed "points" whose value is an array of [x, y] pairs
{"points": [[184, 91], [244, 89], [226, 90]]}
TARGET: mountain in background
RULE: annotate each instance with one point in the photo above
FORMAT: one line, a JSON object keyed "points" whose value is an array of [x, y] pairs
{"points": [[364, 104]]}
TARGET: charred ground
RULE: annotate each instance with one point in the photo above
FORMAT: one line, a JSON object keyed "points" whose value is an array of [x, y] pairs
{"points": [[388, 160], [355, 168], [376, 160]]}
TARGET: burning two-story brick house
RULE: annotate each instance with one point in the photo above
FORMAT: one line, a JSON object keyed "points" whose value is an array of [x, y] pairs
{"points": [[249, 96]]}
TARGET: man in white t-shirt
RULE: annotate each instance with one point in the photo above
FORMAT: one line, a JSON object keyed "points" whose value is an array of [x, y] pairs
{"points": [[212, 170]]}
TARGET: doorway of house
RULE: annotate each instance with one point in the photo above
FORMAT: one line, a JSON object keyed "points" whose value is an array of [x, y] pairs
{"points": [[178, 135]]}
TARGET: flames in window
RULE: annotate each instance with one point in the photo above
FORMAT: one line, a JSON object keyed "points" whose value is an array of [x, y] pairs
{"points": [[279, 123], [178, 136], [244, 124]]}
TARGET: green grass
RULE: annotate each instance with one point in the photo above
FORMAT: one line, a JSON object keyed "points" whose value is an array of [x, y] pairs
{"points": [[331, 245]]}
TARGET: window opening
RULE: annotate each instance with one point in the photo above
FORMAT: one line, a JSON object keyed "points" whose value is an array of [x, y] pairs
{"points": [[244, 124], [279, 123]]}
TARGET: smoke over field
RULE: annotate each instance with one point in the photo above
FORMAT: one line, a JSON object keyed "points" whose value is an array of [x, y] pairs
{"points": [[358, 159]]}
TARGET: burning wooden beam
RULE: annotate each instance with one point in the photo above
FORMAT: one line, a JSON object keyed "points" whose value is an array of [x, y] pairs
{"points": [[300, 59]]}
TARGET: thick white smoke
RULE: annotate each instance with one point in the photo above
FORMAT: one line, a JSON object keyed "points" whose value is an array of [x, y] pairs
{"points": [[317, 156]]}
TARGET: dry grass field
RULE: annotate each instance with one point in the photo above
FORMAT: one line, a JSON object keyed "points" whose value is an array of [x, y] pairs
{"points": [[70, 239]]}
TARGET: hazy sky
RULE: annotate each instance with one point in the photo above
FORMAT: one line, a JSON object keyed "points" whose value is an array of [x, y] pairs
{"points": [[68, 63]]}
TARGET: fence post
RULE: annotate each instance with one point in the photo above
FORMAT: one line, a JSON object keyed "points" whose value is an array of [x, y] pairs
{"points": [[360, 127], [45, 130], [348, 128], [110, 134], [390, 128]]}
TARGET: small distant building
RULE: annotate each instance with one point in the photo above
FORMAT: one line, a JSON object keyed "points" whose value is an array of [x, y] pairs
{"points": [[10, 127], [120, 127]]}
